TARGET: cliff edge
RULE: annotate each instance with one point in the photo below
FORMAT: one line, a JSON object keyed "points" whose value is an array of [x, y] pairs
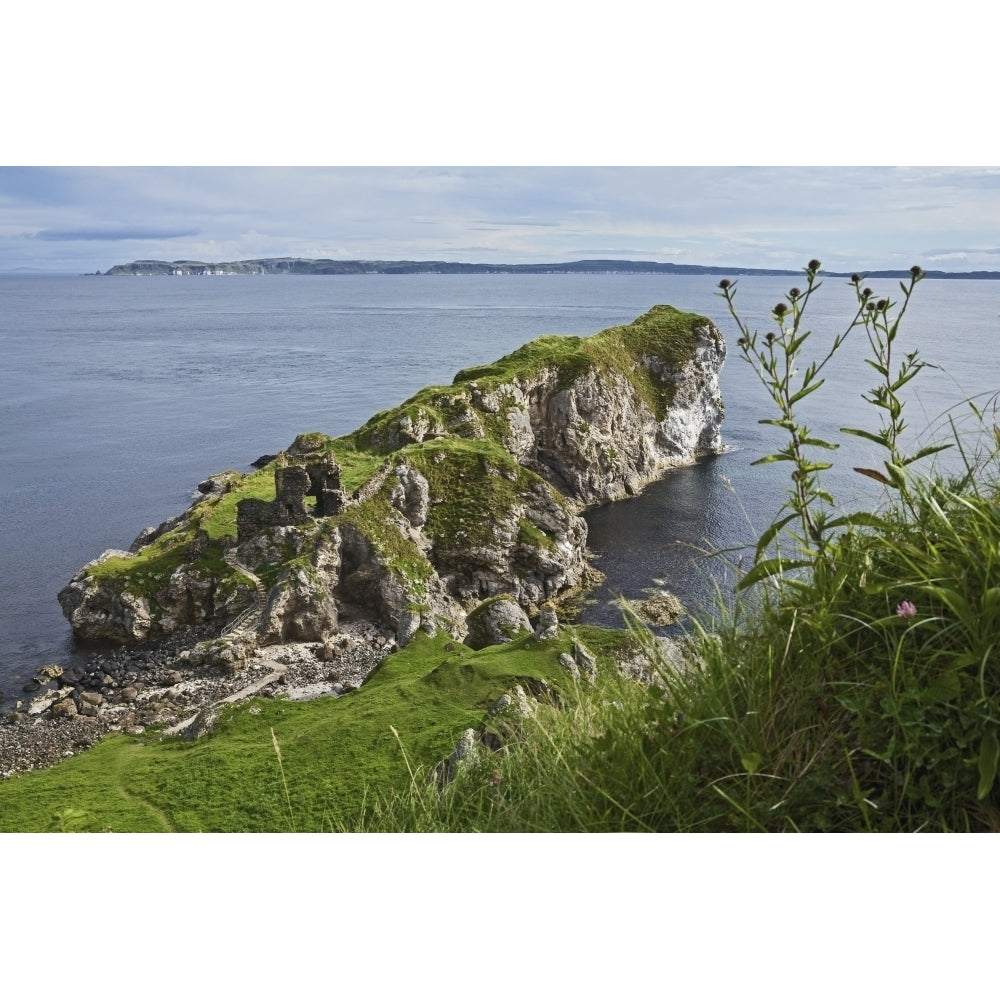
{"points": [[460, 494]]}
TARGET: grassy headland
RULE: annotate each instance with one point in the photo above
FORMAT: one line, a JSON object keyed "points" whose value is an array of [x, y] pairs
{"points": [[852, 685]]}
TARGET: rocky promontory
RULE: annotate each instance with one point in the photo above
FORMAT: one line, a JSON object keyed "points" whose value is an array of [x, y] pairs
{"points": [[460, 495]]}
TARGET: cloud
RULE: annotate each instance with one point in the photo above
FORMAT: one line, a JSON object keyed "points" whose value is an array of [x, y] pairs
{"points": [[850, 217], [963, 251], [113, 233]]}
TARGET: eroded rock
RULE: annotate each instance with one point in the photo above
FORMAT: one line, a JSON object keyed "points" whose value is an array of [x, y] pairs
{"points": [[477, 494]]}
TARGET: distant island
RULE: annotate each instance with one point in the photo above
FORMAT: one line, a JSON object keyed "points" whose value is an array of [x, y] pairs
{"points": [[300, 265]]}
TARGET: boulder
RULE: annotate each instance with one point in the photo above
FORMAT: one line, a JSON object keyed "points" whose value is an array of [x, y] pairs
{"points": [[468, 752], [64, 709], [498, 620], [663, 609], [99, 607], [548, 622]]}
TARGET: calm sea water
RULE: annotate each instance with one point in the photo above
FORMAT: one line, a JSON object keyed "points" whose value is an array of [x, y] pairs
{"points": [[118, 395]]}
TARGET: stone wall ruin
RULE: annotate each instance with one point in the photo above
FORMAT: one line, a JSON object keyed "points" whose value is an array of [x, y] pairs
{"points": [[292, 484]]}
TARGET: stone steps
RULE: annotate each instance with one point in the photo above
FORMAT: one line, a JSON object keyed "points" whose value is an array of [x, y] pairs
{"points": [[249, 621]]}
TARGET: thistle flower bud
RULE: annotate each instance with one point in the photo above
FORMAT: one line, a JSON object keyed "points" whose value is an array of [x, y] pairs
{"points": [[882, 304], [814, 265], [724, 284], [916, 271], [780, 309], [855, 279], [793, 294]]}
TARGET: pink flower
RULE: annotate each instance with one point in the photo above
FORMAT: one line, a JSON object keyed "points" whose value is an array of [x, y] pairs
{"points": [[906, 609]]}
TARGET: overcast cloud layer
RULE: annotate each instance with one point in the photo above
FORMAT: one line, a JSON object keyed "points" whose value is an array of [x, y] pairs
{"points": [[83, 219]]}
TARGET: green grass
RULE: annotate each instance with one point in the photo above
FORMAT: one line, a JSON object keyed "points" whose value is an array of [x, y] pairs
{"points": [[823, 710], [662, 333], [376, 520], [336, 754], [475, 485]]}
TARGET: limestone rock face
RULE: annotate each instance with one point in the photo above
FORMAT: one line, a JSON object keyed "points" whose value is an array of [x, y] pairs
{"points": [[99, 609], [411, 495], [121, 609], [301, 607], [534, 549], [599, 439], [475, 493], [187, 599], [370, 582]]}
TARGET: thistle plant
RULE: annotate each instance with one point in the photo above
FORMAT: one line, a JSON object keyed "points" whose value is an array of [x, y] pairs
{"points": [[777, 357], [881, 324]]}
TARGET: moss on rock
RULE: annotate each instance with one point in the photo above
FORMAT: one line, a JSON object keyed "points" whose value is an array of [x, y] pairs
{"points": [[488, 446]]}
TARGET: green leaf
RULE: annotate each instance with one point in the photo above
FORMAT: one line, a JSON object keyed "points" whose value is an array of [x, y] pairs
{"points": [[802, 393], [751, 762], [769, 535], [946, 687], [867, 435], [769, 568], [796, 343], [874, 474], [896, 474], [989, 757], [924, 452], [954, 601], [904, 378], [859, 518]]}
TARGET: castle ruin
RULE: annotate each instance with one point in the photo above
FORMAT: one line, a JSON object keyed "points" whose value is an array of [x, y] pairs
{"points": [[292, 484]]}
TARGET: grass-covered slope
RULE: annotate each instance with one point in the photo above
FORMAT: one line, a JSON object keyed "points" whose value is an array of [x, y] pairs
{"points": [[865, 701], [664, 333], [338, 757]]}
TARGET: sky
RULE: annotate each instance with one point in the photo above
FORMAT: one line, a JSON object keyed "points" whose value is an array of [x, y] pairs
{"points": [[680, 96], [84, 219]]}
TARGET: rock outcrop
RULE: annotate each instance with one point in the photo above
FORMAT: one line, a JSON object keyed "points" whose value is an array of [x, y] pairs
{"points": [[498, 620], [460, 495]]}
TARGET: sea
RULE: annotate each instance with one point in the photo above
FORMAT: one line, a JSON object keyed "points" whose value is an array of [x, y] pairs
{"points": [[118, 395]]}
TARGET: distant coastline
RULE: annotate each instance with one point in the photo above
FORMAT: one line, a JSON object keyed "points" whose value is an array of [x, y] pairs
{"points": [[300, 265]]}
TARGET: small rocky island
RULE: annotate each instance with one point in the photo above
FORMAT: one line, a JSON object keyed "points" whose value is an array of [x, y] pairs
{"points": [[459, 495]]}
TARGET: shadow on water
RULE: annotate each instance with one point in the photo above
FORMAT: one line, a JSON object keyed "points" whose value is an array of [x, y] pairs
{"points": [[659, 541]]}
